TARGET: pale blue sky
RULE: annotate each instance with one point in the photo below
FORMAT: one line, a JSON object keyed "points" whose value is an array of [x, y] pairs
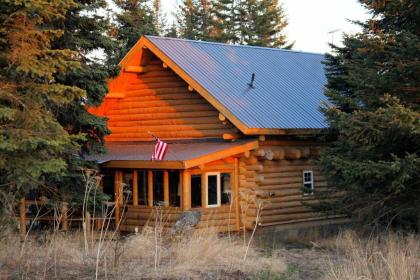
{"points": [[310, 21]]}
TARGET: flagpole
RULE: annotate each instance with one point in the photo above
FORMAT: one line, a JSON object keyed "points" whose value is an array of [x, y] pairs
{"points": [[152, 135]]}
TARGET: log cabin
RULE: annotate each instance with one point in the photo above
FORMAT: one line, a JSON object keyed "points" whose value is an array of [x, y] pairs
{"points": [[237, 120]]}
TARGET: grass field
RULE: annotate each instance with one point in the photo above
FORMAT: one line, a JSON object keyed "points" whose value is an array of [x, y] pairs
{"points": [[151, 254]]}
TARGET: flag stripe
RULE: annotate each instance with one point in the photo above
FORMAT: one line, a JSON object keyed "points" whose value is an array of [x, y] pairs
{"points": [[160, 150]]}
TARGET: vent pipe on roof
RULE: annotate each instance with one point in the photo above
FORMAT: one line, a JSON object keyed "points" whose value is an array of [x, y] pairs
{"points": [[251, 84]]}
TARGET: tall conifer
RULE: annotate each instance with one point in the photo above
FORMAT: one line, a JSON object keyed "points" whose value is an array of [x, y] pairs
{"points": [[373, 88], [137, 18], [34, 146], [262, 23]]}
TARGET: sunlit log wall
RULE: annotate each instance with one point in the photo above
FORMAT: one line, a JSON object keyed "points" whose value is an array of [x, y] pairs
{"points": [[161, 102], [271, 180]]}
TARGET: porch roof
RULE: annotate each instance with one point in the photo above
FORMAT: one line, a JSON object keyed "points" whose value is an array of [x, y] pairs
{"points": [[180, 155]]}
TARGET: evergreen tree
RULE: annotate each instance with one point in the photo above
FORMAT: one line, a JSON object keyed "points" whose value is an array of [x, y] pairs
{"points": [[158, 18], [374, 92], [261, 23], [33, 145], [189, 21], [84, 32], [225, 21], [137, 18]]}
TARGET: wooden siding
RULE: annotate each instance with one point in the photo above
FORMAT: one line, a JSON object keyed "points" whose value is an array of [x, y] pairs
{"points": [[276, 183], [221, 219], [159, 101]]}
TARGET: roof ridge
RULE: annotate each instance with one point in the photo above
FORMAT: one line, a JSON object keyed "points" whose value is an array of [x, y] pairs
{"points": [[230, 45]]}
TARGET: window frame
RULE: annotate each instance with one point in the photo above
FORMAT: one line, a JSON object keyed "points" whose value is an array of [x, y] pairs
{"points": [[312, 189], [218, 191]]}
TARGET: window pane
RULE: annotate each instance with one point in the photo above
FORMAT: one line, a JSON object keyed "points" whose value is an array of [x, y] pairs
{"points": [[212, 190], [128, 186], [142, 186], [174, 188], [158, 187], [226, 188], [196, 191]]}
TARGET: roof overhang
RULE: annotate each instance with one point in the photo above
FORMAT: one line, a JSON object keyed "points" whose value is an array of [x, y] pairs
{"points": [[180, 155]]}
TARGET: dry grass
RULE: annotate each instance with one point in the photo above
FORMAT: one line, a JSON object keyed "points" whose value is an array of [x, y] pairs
{"points": [[388, 256], [198, 256]]}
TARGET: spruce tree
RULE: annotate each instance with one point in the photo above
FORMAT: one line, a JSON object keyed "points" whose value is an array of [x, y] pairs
{"points": [[188, 20], [373, 90], [262, 23], [34, 146], [224, 21], [136, 18], [85, 32]]}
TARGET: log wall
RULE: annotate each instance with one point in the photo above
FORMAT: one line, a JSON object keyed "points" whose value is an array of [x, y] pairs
{"points": [[161, 102], [271, 180]]}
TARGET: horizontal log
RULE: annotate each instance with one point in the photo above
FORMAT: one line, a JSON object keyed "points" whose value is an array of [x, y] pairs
{"points": [[292, 153], [185, 121], [287, 180], [159, 103], [254, 167], [286, 217], [276, 169], [249, 174], [256, 178], [135, 69], [230, 136], [158, 85], [286, 162], [319, 186], [249, 161], [161, 97], [270, 212], [133, 93], [259, 153], [306, 152], [162, 116], [272, 175], [279, 154], [170, 134], [246, 184], [146, 80], [151, 72], [153, 110], [214, 223], [164, 128], [224, 229]]}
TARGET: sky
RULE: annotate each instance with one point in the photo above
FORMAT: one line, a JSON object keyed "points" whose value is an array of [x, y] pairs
{"points": [[311, 21]]}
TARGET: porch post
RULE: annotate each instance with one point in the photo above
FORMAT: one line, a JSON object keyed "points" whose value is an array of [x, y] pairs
{"points": [[116, 196], [150, 188], [64, 213], [135, 188], [166, 188], [203, 191], [186, 190], [236, 194], [120, 189], [22, 219]]}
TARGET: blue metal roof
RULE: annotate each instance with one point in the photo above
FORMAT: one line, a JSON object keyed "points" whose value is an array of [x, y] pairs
{"points": [[288, 87]]}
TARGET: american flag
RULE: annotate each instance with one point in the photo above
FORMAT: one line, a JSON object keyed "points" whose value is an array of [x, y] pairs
{"points": [[160, 150]]}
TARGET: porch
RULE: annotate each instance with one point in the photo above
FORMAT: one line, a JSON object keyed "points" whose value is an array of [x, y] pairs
{"points": [[201, 177]]}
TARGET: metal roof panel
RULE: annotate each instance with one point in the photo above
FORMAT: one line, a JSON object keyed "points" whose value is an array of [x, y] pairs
{"points": [[288, 87]]}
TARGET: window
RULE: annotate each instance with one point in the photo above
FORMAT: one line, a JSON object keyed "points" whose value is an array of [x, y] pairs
{"points": [[308, 182], [213, 190], [218, 189]]}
